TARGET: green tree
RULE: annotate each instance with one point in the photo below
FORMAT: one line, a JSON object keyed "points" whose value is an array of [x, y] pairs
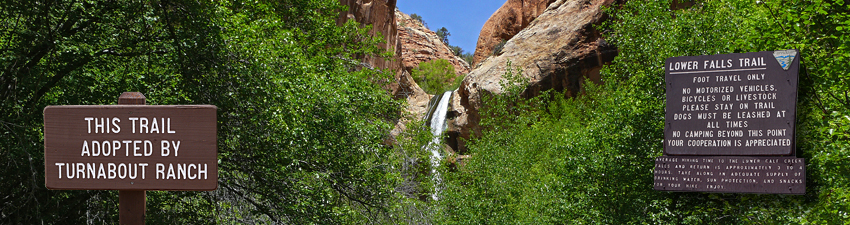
{"points": [[419, 18], [301, 129], [468, 57], [444, 34], [436, 76], [456, 50], [416, 185]]}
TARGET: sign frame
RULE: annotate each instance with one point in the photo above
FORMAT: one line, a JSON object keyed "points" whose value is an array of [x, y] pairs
{"points": [[725, 94], [755, 151], [185, 140]]}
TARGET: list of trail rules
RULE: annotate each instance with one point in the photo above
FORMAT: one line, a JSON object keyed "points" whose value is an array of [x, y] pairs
{"points": [[731, 104], [130, 147]]}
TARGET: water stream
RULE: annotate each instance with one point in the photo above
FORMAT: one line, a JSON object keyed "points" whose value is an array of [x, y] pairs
{"points": [[438, 125]]}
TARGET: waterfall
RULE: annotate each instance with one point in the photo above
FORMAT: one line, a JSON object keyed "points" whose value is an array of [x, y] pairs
{"points": [[438, 125]]}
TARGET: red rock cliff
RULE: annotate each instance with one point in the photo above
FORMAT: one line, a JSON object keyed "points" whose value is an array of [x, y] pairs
{"points": [[381, 15], [419, 44], [559, 50], [506, 22]]}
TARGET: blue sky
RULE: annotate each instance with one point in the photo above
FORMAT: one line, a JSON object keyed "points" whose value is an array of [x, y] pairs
{"points": [[463, 18]]}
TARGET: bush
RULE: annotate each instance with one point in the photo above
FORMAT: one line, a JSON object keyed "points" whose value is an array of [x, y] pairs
{"points": [[466, 56], [456, 50], [589, 160], [497, 49], [415, 183], [436, 76]]}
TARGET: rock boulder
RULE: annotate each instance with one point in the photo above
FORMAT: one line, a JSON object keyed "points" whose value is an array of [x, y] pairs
{"points": [[558, 50], [506, 22]]}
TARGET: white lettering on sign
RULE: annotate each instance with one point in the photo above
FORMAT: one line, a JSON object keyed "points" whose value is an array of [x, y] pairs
{"points": [[118, 147], [689, 65], [180, 171], [101, 170], [131, 148], [102, 125], [152, 126], [165, 147]]}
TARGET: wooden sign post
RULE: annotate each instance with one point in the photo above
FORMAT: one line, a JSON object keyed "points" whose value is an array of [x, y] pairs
{"points": [[132, 203], [131, 147]]}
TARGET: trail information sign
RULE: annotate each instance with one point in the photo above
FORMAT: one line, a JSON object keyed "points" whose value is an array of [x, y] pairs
{"points": [[733, 104], [130, 147], [730, 124]]}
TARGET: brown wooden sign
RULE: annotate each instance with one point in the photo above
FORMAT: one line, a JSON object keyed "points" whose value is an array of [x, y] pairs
{"points": [[730, 124], [731, 104], [130, 147]]}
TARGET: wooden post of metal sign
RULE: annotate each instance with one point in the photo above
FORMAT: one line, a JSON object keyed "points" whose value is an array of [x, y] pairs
{"points": [[131, 203]]}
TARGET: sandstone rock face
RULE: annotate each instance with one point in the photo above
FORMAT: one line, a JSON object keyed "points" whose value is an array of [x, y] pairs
{"points": [[412, 44], [558, 50], [417, 102], [506, 22], [381, 15], [419, 44]]}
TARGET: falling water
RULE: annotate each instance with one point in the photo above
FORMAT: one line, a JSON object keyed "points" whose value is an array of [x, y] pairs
{"points": [[438, 125]]}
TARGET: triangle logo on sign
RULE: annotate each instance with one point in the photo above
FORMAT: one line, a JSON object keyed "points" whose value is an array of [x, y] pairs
{"points": [[785, 58]]}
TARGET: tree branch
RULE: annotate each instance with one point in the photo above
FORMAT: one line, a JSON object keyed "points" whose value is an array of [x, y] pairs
{"points": [[260, 207], [128, 54], [56, 78]]}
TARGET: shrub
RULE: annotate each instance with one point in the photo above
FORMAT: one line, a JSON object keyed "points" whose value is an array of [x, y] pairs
{"points": [[435, 76], [300, 132], [466, 56], [456, 50], [497, 49]]}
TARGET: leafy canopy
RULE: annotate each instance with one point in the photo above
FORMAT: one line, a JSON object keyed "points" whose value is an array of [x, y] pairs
{"points": [[436, 76], [300, 126]]}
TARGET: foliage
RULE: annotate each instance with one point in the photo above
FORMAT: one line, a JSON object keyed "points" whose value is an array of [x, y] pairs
{"points": [[456, 50], [456, 83], [415, 185], [551, 159], [444, 34], [300, 128], [419, 18], [468, 57], [497, 49], [436, 76]]}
